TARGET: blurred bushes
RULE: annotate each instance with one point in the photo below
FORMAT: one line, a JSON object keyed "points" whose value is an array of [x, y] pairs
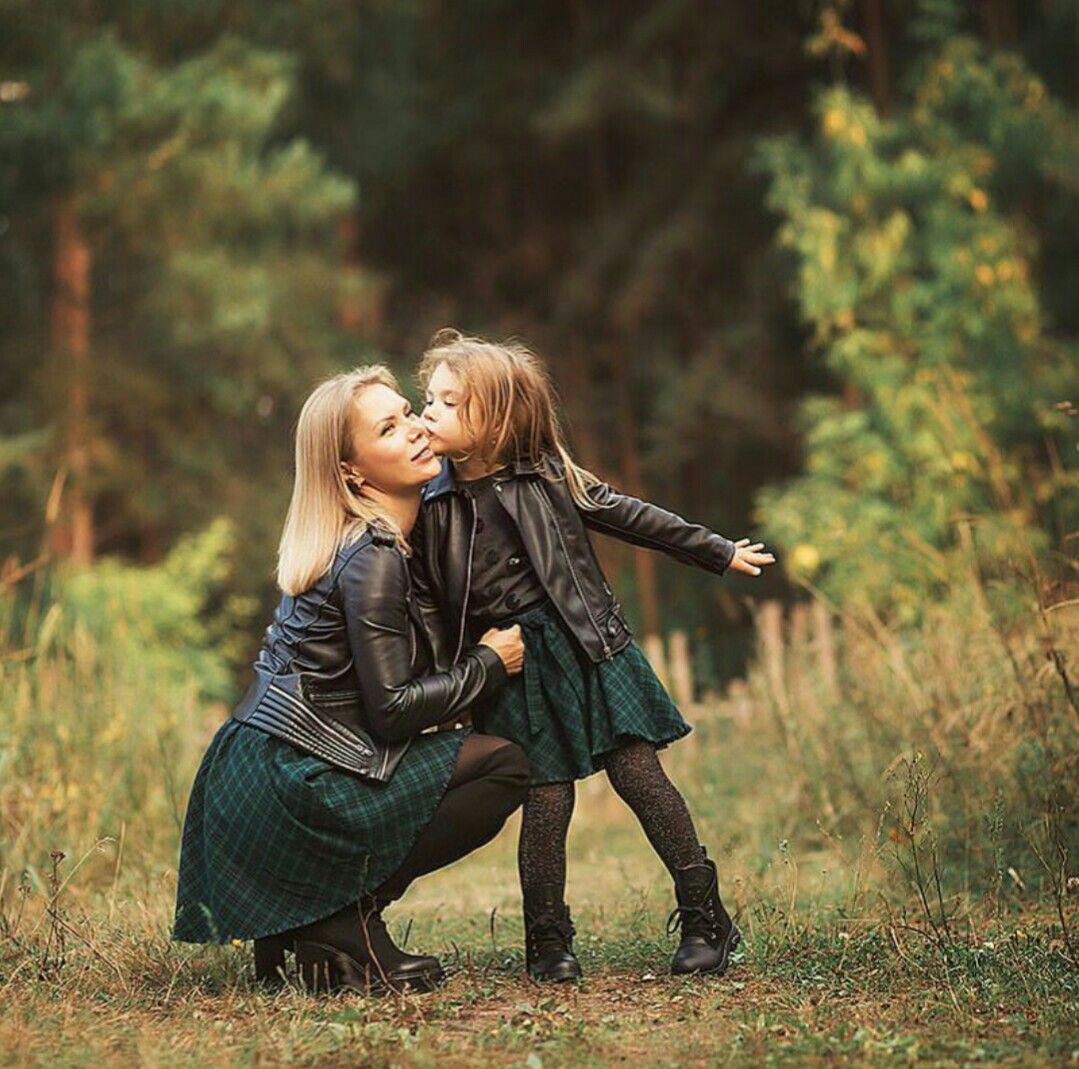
{"points": [[918, 275], [111, 681]]}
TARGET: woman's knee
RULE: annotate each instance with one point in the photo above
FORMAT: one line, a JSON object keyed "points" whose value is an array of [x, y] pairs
{"points": [[510, 763]]}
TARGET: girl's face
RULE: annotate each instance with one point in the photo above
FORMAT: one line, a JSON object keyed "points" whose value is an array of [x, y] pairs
{"points": [[390, 445], [442, 413]]}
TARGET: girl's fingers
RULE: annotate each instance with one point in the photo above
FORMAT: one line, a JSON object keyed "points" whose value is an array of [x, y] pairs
{"points": [[741, 542]]}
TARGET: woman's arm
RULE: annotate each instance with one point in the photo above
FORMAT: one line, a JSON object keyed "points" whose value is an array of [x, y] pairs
{"points": [[375, 588]]}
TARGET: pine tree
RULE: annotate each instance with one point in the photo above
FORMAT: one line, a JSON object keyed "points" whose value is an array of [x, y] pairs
{"points": [[195, 280]]}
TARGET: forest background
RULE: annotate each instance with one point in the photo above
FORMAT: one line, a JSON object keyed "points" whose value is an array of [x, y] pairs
{"points": [[802, 270]]}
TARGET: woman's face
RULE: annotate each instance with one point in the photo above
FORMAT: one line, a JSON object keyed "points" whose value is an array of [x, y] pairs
{"points": [[390, 446]]}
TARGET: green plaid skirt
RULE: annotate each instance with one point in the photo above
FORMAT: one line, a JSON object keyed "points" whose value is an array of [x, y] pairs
{"points": [[275, 838], [566, 712]]}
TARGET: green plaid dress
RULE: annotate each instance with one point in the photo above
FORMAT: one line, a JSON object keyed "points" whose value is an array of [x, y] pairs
{"points": [[275, 838], [565, 712]]}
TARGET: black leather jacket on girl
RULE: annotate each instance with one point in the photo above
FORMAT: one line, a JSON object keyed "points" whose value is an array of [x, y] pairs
{"points": [[555, 533], [345, 670]]}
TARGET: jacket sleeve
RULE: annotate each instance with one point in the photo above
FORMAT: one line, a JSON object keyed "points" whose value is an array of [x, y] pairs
{"points": [[423, 598], [644, 524], [375, 586]]}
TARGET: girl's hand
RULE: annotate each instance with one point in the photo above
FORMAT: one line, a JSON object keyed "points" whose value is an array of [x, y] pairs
{"points": [[508, 644], [749, 558]]}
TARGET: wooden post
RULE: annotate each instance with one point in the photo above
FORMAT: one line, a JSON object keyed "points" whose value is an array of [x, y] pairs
{"points": [[681, 669], [653, 649], [825, 641]]}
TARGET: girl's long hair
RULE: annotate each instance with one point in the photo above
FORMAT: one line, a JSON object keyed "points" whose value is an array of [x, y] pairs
{"points": [[509, 406], [325, 512]]}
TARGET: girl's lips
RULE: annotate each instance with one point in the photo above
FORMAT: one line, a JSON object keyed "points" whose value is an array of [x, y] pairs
{"points": [[423, 455]]}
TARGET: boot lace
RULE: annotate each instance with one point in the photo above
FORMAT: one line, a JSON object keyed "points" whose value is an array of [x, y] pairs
{"points": [[549, 931], [693, 920]]}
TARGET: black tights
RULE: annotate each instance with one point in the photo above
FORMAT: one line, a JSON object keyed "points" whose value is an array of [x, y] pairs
{"points": [[488, 783], [639, 779]]}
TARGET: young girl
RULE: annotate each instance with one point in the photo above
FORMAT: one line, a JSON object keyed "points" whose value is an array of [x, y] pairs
{"points": [[502, 538]]}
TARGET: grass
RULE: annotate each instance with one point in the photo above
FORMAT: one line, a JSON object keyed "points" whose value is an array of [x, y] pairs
{"points": [[895, 813], [822, 980]]}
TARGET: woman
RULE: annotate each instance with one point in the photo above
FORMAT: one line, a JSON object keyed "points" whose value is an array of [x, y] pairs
{"points": [[323, 796]]}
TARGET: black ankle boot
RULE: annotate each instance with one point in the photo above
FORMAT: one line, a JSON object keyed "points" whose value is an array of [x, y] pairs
{"points": [[352, 949], [549, 935], [270, 958], [709, 936]]}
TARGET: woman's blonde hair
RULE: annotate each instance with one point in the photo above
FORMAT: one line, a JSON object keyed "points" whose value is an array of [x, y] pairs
{"points": [[325, 512], [509, 405]]}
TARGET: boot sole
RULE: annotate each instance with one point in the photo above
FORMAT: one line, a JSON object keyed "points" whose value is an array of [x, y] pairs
{"points": [[324, 969], [557, 977], [731, 944]]}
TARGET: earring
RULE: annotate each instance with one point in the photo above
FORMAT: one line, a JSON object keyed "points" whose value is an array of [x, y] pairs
{"points": [[352, 480]]}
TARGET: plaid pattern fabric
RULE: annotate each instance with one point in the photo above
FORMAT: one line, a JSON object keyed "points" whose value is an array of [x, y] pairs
{"points": [[275, 838], [566, 712]]}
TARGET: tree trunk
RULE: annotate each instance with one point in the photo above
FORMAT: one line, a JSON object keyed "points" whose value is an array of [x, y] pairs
{"points": [[73, 536], [1001, 22], [879, 79]]}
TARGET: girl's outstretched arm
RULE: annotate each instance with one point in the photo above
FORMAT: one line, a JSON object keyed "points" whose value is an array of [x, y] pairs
{"points": [[644, 524]]}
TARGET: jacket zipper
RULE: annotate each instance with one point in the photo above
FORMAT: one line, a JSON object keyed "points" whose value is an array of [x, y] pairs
{"points": [[573, 572], [468, 581]]}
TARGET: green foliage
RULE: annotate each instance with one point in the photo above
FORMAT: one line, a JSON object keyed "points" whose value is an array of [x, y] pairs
{"points": [[217, 280], [917, 275], [155, 622], [108, 681]]}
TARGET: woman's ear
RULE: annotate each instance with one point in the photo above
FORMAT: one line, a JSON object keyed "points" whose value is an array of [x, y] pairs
{"points": [[353, 479]]}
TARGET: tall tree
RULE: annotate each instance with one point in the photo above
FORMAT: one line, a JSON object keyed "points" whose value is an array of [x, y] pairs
{"points": [[196, 285]]}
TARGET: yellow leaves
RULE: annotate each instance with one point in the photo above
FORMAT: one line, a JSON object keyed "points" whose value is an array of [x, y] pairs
{"points": [[985, 274], [833, 36], [979, 199], [1025, 330], [803, 560], [844, 319], [963, 461], [834, 122]]}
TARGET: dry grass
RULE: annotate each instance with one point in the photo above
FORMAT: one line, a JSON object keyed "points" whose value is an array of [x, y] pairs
{"points": [[897, 907]]}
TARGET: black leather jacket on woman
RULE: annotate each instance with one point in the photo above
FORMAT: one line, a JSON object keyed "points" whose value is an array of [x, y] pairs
{"points": [[555, 533], [343, 670]]}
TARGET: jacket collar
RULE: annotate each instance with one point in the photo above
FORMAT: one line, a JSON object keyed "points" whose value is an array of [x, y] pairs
{"points": [[445, 482]]}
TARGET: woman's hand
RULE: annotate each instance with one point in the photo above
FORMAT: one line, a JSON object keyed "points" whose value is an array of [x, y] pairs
{"points": [[749, 558], [508, 644]]}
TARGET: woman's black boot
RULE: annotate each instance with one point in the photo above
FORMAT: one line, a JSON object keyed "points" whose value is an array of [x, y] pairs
{"points": [[709, 936], [270, 958], [549, 935], [352, 950]]}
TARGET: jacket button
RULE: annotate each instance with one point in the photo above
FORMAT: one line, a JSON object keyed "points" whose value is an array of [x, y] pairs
{"points": [[612, 625], [515, 561], [498, 488]]}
